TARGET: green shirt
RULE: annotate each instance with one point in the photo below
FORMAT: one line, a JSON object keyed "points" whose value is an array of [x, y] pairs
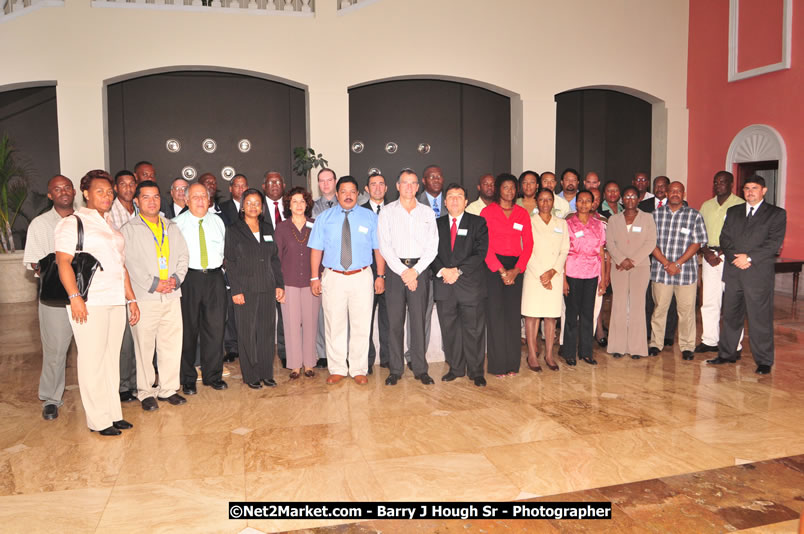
{"points": [[714, 216]]}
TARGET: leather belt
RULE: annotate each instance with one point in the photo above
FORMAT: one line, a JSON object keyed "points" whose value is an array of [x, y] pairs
{"points": [[409, 262], [205, 271], [349, 273]]}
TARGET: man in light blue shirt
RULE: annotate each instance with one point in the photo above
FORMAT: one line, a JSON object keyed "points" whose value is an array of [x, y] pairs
{"points": [[343, 240], [569, 187]]}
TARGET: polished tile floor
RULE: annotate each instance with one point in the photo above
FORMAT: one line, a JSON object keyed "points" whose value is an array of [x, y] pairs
{"points": [[581, 433]]}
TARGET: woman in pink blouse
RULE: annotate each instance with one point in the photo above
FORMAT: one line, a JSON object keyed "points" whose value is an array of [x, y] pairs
{"points": [[582, 280], [510, 247], [98, 323]]}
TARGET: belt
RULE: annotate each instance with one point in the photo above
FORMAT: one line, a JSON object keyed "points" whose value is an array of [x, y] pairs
{"points": [[205, 271], [409, 262], [716, 249], [349, 273]]}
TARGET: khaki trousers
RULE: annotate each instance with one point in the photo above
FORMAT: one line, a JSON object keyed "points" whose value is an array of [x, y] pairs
{"points": [[98, 341], [347, 301], [160, 328], [627, 328], [685, 302], [56, 333]]}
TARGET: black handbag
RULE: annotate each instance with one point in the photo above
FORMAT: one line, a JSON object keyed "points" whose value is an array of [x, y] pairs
{"points": [[51, 290]]}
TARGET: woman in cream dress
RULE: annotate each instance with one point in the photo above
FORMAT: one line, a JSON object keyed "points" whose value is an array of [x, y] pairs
{"points": [[543, 284]]}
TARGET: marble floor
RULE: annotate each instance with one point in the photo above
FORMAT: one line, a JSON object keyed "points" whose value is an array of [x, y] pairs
{"points": [[653, 436]]}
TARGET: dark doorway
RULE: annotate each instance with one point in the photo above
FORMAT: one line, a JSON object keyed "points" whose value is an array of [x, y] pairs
{"points": [[603, 131], [466, 128], [767, 169]]}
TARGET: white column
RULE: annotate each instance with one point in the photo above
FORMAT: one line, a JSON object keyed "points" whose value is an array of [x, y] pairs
{"points": [[82, 136]]}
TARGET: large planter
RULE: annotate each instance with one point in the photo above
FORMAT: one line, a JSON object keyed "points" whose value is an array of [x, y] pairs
{"points": [[17, 284]]}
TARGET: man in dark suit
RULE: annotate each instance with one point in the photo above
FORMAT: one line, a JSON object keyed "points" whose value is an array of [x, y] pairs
{"points": [[460, 286], [175, 203], [751, 237], [274, 213], [231, 208], [376, 189]]}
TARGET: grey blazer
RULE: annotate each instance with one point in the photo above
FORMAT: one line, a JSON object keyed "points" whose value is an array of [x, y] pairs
{"points": [[637, 245]]}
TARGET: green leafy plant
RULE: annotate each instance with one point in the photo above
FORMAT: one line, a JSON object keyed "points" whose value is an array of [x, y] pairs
{"points": [[13, 192], [305, 160]]}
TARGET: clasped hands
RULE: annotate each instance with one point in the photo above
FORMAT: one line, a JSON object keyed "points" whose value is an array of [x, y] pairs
{"points": [[509, 275], [410, 277], [166, 286], [451, 275], [741, 261]]}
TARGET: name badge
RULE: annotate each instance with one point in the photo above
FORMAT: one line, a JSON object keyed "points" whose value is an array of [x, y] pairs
{"points": [[558, 213], [579, 233], [518, 227], [535, 210], [559, 230], [308, 224], [636, 229], [685, 231], [162, 262], [462, 231], [268, 238], [362, 229]]}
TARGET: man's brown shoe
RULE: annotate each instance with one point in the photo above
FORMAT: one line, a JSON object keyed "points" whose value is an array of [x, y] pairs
{"points": [[361, 380], [334, 379]]}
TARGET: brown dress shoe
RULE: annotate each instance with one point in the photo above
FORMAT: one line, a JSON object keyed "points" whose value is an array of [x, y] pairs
{"points": [[334, 379], [361, 380]]}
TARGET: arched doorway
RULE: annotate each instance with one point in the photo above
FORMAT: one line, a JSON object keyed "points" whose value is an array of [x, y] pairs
{"points": [[760, 149]]}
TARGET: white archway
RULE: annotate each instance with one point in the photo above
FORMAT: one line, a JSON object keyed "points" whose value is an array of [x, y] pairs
{"points": [[760, 142]]}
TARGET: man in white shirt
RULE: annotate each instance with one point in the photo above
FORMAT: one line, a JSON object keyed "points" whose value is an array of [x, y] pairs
{"points": [[175, 202]]}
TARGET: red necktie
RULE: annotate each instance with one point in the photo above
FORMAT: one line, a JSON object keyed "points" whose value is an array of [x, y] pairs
{"points": [[277, 218], [453, 232], [661, 203]]}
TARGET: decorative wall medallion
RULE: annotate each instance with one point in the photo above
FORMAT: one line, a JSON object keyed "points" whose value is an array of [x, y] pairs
{"points": [[357, 147], [391, 147], [228, 173], [173, 145], [244, 145], [374, 170], [188, 173], [424, 148], [209, 145]]}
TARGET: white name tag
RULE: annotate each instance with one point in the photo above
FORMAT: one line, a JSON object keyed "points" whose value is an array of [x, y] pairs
{"points": [[268, 238], [558, 213], [579, 233], [518, 227], [535, 210], [462, 231], [559, 230], [685, 231], [636, 229], [308, 224], [362, 229]]}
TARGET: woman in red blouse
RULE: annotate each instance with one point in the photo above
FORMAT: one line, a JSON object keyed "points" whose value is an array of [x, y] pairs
{"points": [[510, 247]]}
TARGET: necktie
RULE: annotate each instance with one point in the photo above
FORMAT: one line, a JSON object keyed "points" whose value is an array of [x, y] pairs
{"points": [[436, 208], [202, 244], [750, 213], [329, 203], [661, 203], [378, 209], [346, 242], [453, 232], [277, 218]]}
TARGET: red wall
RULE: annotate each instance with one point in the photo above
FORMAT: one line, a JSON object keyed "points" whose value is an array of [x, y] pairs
{"points": [[718, 110]]}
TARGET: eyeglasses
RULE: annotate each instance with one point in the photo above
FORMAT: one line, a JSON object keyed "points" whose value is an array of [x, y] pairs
{"points": [[182, 189]]}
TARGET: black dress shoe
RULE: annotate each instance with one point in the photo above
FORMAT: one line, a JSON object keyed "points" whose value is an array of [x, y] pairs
{"points": [[668, 342], [50, 412], [590, 360], [687, 355], [230, 357], [254, 385], [370, 370], [110, 431], [571, 362], [270, 382], [218, 385], [189, 389], [763, 369], [410, 366], [391, 380], [284, 362], [127, 396], [635, 356], [173, 400], [719, 361], [603, 341], [449, 377], [150, 404], [123, 424], [616, 355], [653, 351], [425, 379], [703, 347], [479, 381], [321, 363]]}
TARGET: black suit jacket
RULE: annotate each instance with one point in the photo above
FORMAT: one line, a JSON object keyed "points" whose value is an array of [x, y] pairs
{"points": [[251, 265], [469, 256], [760, 238], [229, 212], [167, 209], [367, 205]]}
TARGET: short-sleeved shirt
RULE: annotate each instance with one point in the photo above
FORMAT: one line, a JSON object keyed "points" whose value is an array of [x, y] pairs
{"points": [[107, 245], [326, 236], [214, 237], [583, 259], [119, 215], [714, 216], [40, 240], [675, 232], [476, 207], [322, 204]]}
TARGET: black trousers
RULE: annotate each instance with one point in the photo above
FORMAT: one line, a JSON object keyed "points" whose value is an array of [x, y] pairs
{"points": [[398, 298], [503, 315], [203, 312], [230, 332], [672, 315], [382, 328], [280, 334], [255, 334], [754, 297], [463, 326], [579, 321]]}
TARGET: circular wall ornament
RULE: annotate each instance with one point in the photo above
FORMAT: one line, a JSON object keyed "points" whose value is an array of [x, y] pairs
{"points": [[391, 147], [374, 170], [209, 145], [173, 145], [228, 173], [358, 146], [424, 148], [244, 145], [188, 173]]}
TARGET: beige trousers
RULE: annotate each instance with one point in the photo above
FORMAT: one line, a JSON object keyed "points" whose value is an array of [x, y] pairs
{"points": [[98, 341], [685, 302], [347, 301], [160, 328]]}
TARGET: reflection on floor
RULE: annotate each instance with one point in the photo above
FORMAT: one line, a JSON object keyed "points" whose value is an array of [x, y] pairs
{"points": [[549, 436]]}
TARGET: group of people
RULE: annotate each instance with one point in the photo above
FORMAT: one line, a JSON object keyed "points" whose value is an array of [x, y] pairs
{"points": [[187, 283]]}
